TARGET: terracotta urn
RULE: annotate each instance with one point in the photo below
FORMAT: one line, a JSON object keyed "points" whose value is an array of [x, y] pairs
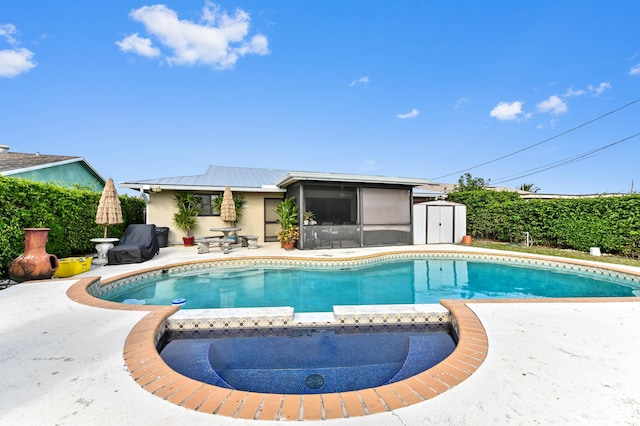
{"points": [[35, 263]]}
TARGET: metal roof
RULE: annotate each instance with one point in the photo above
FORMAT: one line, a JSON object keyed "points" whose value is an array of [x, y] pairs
{"points": [[246, 179], [421, 192], [293, 177], [257, 180]]}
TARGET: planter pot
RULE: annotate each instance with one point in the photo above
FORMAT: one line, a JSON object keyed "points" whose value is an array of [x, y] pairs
{"points": [[35, 263], [466, 240], [188, 241], [288, 246]]}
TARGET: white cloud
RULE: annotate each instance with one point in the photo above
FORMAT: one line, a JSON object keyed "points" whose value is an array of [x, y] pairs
{"points": [[15, 61], [635, 70], [218, 40], [600, 88], [7, 31], [460, 102], [553, 105], [136, 44], [505, 111], [411, 114], [364, 81], [570, 93]]}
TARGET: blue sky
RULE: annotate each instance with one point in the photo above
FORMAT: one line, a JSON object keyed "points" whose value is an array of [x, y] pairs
{"points": [[413, 89]]}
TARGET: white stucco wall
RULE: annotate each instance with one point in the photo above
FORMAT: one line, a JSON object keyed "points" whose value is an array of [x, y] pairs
{"points": [[161, 209]]}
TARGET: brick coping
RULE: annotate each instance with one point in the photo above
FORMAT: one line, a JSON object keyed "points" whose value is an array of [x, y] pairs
{"points": [[150, 371]]}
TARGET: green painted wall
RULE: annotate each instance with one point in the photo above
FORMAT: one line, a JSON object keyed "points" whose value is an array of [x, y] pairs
{"points": [[68, 175]]}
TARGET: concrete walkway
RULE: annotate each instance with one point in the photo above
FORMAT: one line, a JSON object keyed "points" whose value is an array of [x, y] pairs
{"points": [[61, 362]]}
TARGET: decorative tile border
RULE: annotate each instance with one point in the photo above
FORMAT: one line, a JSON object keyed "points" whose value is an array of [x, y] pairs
{"points": [[215, 319], [391, 314], [250, 318]]}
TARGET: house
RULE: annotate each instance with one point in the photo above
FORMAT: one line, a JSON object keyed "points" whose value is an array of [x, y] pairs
{"points": [[56, 169], [349, 210]]}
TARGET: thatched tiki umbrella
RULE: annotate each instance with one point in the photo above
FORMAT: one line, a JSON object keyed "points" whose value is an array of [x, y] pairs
{"points": [[228, 207], [109, 210]]}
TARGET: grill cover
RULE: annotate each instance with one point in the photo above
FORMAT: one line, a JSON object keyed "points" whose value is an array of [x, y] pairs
{"points": [[138, 244]]}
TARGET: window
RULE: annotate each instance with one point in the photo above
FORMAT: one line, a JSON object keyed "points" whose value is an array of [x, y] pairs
{"points": [[207, 204], [336, 205]]}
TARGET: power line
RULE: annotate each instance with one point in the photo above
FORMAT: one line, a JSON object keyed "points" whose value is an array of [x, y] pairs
{"points": [[544, 141], [563, 162]]}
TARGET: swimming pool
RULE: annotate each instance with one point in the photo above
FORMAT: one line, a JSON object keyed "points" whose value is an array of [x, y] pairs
{"points": [[417, 280], [469, 354]]}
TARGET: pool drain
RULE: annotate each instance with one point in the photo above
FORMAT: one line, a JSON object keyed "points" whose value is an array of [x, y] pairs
{"points": [[314, 381]]}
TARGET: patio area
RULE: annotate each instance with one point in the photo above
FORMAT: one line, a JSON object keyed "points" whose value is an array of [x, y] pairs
{"points": [[548, 361]]}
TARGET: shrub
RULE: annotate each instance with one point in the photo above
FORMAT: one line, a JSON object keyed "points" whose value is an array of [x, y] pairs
{"points": [[69, 213], [611, 223]]}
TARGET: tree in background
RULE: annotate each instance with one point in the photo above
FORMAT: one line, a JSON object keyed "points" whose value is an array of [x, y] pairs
{"points": [[469, 183], [529, 187]]}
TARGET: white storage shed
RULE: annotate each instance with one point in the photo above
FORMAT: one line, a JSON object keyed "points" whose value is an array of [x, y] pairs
{"points": [[439, 222]]}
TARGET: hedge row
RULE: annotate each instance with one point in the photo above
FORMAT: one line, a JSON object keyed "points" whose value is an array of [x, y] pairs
{"points": [[611, 223], [69, 213]]}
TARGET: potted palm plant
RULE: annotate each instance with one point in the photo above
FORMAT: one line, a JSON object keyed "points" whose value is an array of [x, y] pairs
{"points": [[289, 232], [186, 218]]}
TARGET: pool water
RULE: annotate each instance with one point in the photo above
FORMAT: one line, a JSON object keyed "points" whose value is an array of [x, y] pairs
{"points": [[309, 360], [399, 282]]}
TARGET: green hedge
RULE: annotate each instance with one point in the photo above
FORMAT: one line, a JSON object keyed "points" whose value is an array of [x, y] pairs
{"points": [[69, 213], [611, 223]]}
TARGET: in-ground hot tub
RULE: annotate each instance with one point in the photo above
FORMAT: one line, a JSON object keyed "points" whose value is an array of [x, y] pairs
{"points": [[308, 360]]}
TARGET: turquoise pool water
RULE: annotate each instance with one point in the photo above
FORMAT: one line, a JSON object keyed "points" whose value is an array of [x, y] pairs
{"points": [[397, 282]]}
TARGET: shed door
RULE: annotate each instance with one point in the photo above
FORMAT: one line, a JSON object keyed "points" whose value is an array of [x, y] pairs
{"points": [[439, 225]]}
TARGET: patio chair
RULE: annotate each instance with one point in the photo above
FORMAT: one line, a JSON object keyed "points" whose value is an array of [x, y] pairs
{"points": [[138, 244]]}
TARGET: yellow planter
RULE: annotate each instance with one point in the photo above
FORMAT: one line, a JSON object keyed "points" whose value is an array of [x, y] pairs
{"points": [[73, 266]]}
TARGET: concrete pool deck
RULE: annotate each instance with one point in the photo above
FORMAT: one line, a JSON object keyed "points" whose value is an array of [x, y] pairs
{"points": [[566, 362]]}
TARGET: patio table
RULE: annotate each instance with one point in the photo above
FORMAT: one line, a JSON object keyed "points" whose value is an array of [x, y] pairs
{"points": [[226, 231]]}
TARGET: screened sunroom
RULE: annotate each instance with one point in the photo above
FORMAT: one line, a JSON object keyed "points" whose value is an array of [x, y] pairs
{"points": [[345, 211]]}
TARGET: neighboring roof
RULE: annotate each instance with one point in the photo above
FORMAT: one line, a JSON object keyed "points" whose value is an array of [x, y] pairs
{"points": [[449, 187], [18, 162], [255, 179], [536, 196], [442, 188], [12, 163]]}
